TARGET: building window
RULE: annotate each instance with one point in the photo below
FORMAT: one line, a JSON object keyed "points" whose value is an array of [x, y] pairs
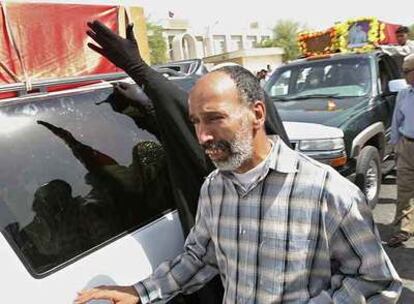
{"points": [[251, 42], [170, 47], [264, 38], [236, 43], [219, 44], [200, 47]]}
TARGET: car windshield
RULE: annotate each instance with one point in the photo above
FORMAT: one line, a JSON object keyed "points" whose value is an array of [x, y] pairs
{"points": [[348, 77]]}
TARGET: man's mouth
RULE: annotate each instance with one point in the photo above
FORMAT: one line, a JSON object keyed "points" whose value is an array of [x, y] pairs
{"points": [[216, 151]]}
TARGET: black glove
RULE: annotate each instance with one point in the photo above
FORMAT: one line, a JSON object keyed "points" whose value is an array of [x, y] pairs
{"points": [[124, 53], [125, 95], [134, 95]]}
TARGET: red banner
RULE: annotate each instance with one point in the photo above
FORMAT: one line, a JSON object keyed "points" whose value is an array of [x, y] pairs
{"points": [[51, 41], [389, 33]]}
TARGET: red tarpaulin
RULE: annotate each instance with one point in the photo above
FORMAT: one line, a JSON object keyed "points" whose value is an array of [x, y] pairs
{"points": [[51, 41]]}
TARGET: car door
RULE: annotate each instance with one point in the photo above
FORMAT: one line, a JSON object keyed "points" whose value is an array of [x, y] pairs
{"points": [[386, 100], [85, 198]]}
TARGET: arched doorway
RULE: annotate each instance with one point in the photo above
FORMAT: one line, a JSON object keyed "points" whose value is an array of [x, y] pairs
{"points": [[184, 47]]}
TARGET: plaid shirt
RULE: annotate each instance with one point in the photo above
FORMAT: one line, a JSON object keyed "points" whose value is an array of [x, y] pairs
{"points": [[300, 234]]}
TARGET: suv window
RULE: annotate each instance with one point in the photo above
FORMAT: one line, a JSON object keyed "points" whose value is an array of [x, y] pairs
{"points": [[74, 174], [340, 77]]}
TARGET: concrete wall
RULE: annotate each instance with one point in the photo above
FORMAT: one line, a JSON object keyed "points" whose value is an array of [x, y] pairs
{"points": [[253, 59], [140, 29]]}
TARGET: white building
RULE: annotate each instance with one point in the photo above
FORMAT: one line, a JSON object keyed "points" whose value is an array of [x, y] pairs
{"points": [[185, 43]]}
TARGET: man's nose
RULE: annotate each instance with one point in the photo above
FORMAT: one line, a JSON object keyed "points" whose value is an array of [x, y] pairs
{"points": [[203, 134]]}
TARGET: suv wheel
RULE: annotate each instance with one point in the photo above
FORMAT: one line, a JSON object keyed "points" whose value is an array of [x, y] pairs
{"points": [[368, 174]]}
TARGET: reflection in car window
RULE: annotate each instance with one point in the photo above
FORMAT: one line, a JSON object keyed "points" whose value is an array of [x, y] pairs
{"points": [[341, 77], [73, 175]]}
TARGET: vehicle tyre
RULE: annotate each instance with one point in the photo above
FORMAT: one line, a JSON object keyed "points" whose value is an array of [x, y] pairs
{"points": [[368, 174]]}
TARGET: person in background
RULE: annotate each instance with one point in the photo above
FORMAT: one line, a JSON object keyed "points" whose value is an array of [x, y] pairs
{"points": [[404, 47], [402, 135], [262, 76]]}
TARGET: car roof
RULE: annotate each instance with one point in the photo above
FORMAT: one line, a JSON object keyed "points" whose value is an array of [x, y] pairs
{"points": [[336, 56]]}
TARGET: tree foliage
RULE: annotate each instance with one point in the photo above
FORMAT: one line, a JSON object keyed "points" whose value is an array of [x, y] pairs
{"points": [[411, 34], [156, 43], [284, 36]]}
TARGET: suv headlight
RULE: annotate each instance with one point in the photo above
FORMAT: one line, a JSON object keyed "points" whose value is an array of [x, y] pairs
{"points": [[322, 144]]}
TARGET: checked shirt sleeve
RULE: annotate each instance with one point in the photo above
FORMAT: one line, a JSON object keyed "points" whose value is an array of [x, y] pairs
{"points": [[364, 273], [191, 269]]}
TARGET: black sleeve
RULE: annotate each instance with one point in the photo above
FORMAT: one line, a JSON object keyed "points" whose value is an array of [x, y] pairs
{"points": [[177, 133]]}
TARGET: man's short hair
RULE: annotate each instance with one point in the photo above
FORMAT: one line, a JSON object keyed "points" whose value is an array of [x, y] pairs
{"points": [[402, 30], [248, 86]]}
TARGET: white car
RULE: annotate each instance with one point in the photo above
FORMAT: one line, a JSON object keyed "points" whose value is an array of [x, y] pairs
{"points": [[320, 142]]}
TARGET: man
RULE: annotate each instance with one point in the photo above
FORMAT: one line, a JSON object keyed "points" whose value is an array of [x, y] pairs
{"points": [[276, 225], [405, 47], [402, 135], [357, 35]]}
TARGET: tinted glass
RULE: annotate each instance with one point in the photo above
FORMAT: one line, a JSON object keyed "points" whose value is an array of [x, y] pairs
{"points": [[74, 174]]}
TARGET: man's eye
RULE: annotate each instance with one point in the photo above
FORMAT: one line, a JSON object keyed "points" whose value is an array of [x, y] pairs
{"points": [[215, 118]]}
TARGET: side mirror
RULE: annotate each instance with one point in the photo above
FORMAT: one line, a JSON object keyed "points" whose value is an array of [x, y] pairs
{"points": [[397, 85]]}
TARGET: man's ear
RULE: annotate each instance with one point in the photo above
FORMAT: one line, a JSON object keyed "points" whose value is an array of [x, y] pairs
{"points": [[259, 112]]}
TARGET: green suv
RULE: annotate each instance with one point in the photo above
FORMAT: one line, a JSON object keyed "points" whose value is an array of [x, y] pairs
{"points": [[349, 92]]}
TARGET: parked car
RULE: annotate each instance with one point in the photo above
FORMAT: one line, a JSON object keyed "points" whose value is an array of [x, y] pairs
{"points": [[350, 94]]}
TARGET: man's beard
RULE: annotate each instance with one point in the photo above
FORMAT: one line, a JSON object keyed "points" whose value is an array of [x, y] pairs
{"points": [[239, 149]]}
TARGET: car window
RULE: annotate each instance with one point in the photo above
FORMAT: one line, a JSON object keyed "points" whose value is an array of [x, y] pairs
{"points": [[73, 175], [344, 77], [281, 86]]}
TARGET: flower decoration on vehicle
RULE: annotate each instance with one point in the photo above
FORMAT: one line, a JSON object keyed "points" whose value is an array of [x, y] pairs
{"points": [[359, 34], [317, 43]]}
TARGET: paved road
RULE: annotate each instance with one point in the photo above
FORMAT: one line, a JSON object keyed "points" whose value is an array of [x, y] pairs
{"points": [[402, 257]]}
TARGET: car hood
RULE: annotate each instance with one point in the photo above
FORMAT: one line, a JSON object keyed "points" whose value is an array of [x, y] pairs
{"points": [[297, 131], [326, 111]]}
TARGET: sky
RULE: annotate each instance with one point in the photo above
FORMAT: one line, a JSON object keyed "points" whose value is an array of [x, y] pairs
{"points": [[315, 14]]}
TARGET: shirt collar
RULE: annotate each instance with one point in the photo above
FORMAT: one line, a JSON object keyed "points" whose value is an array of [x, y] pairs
{"points": [[282, 159]]}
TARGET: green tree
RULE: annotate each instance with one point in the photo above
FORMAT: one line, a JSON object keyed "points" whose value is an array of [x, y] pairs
{"points": [[411, 34], [156, 43], [284, 36]]}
